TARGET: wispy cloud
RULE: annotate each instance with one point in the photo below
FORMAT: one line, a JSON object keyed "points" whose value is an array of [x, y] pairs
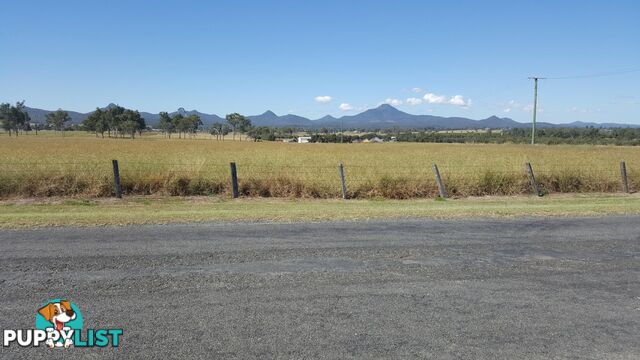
{"points": [[394, 102], [417, 90], [345, 107], [414, 101], [514, 105], [457, 100], [434, 99], [324, 99], [510, 106]]}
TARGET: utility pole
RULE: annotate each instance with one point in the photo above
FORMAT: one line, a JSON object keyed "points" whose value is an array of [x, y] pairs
{"points": [[535, 107], [341, 130]]}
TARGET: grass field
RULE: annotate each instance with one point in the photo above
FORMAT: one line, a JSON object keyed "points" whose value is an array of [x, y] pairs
{"points": [[20, 213], [80, 165]]}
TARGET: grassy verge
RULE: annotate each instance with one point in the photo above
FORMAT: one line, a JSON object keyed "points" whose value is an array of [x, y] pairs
{"points": [[25, 213]]}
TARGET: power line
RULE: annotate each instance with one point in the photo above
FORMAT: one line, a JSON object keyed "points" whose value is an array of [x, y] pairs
{"points": [[612, 73], [535, 90]]}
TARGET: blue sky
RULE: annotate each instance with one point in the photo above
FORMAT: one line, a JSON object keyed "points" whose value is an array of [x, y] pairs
{"points": [[449, 58]]}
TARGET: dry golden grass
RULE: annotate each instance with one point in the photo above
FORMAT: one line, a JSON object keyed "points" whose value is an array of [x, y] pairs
{"points": [[51, 165]]}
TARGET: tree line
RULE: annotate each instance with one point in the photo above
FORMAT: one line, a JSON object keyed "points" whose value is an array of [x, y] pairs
{"points": [[179, 123], [550, 136], [116, 121], [191, 124], [15, 119]]}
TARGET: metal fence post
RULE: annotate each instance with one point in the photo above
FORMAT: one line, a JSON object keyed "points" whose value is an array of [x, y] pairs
{"points": [[625, 180], [342, 180], [532, 179], [116, 178], [234, 180], [441, 189]]}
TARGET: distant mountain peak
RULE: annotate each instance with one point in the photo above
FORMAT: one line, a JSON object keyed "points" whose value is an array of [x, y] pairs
{"points": [[383, 113], [381, 117], [389, 109]]}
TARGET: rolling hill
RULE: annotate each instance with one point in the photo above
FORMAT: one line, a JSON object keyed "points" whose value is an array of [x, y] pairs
{"points": [[382, 117]]}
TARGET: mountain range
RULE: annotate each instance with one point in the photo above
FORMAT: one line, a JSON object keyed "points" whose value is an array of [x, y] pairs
{"points": [[382, 117]]}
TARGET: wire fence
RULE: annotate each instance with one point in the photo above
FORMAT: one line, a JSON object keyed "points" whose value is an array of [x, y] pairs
{"points": [[310, 180]]}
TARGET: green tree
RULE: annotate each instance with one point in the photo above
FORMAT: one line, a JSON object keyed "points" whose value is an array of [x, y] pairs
{"points": [[5, 117], [166, 124], [237, 122], [58, 119], [23, 116], [131, 122], [179, 124], [244, 124], [192, 124], [258, 133], [37, 126], [187, 124], [97, 122], [219, 130], [115, 119], [14, 118], [128, 127]]}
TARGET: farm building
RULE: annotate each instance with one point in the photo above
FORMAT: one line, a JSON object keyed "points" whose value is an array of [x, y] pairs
{"points": [[373, 140]]}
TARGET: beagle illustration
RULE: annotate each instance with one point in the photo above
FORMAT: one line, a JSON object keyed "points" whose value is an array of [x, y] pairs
{"points": [[58, 314]]}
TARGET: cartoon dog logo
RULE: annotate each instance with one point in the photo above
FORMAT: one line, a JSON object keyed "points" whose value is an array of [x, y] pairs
{"points": [[59, 314]]}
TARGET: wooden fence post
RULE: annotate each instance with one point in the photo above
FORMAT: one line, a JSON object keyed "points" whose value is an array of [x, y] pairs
{"points": [[234, 181], [625, 180], [116, 178], [342, 180], [532, 179], [441, 189]]}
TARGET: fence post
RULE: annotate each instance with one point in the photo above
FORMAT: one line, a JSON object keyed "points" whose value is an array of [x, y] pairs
{"points": [[116, 178], [532, 179], [441, 189], [625, 181], [342, 180], [234, 180]]}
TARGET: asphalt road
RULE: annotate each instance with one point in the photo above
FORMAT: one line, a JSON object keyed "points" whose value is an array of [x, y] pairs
{"points": [[473, 289]]}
